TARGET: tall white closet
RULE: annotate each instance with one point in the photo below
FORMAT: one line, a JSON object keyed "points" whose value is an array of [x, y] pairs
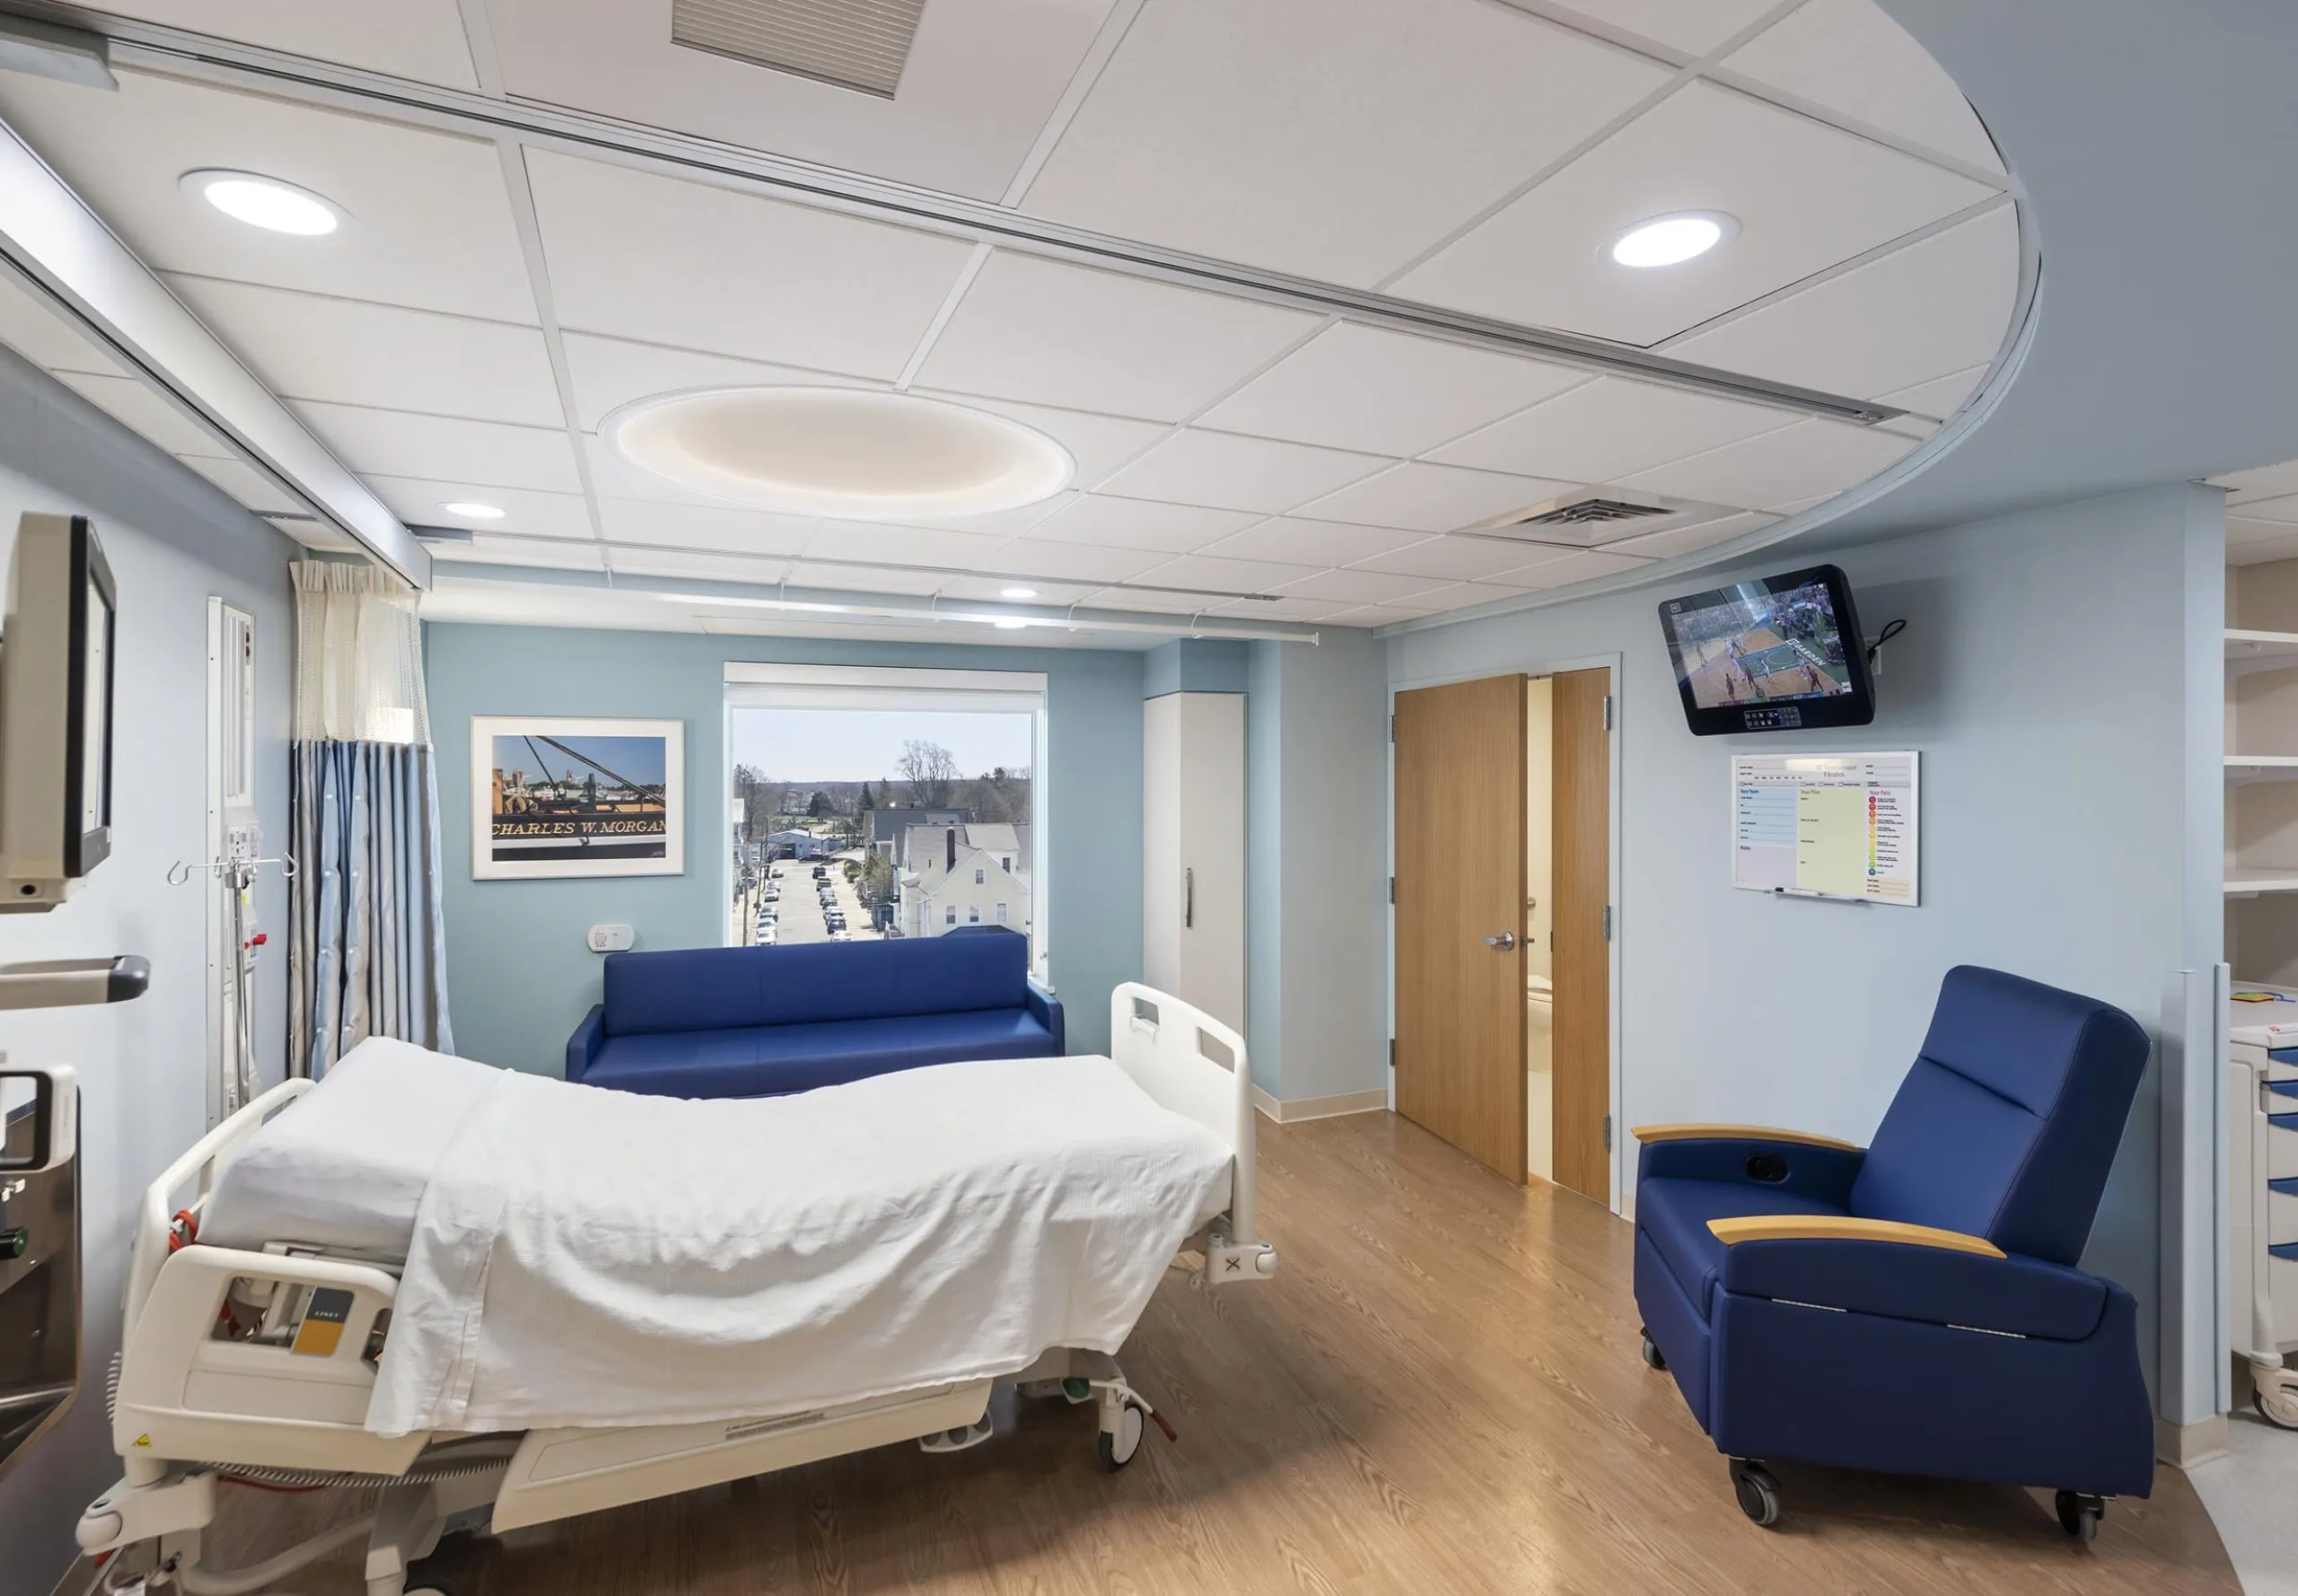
{"points": [[1194, 852]]}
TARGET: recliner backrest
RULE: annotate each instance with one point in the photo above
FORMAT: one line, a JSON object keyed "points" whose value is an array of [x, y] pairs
{"points": [[2008, 1123], [802, 983]]}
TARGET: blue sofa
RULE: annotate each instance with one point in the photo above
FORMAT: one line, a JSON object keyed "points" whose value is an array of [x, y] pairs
{"points": [[1914, 1306], [761, 1021]]}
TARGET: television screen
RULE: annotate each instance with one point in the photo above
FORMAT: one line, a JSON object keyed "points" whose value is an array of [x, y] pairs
{"points": [[91, 634], [1780, 654]]}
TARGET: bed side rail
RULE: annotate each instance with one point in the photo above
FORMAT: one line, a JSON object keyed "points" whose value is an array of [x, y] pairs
{"points": [[1196, 1066], [204, 1159]]}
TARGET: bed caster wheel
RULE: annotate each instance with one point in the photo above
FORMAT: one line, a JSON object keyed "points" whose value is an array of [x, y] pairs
{"points": [[1652, 1359], [2079, 1514], [1758, 1492], [1118, 1446], [2280, 1411]]}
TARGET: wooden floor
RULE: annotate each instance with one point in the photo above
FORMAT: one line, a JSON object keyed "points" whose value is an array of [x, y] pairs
{"points": [[1440, 1392]]}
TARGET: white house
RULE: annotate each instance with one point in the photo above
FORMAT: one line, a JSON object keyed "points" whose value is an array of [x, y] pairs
{"points": [[962, 875]]}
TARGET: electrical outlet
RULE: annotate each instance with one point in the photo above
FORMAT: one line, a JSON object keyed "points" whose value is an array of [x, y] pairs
{"points": [[610, 938]]}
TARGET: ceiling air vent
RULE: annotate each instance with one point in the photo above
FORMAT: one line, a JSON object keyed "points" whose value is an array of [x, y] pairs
{"points": [[855, 44], [1558, 522]]}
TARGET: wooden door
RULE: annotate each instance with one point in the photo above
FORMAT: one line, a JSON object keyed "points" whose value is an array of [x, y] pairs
{"points": [[1460, 920], [1580, 886]]}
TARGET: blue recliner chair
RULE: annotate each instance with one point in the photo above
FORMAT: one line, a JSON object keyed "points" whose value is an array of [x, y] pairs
{"points": [[1914, 1306]]}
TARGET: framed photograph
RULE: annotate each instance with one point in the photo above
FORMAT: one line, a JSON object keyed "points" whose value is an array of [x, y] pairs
{"points": [[553, 797]]}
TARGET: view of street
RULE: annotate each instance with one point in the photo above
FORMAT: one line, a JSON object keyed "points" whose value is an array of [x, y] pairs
{"points": [[799, 914]]}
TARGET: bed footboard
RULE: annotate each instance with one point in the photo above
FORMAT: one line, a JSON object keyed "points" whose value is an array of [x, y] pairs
{"points": [[1194, 1066]]}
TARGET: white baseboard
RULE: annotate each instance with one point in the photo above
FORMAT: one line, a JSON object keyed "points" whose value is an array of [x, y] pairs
{"points": [[1292, 1111], [2182, 1446]]}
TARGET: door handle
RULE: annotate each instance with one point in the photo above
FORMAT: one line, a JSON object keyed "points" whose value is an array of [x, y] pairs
{"points": [[1504, 942], [1189, 899]]}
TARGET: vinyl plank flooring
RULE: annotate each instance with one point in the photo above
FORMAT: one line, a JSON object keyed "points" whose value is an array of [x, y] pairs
{"points": [[1439, 1391]]}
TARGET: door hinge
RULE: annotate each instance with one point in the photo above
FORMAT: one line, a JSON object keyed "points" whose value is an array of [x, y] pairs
{"points": [[1392, 728], [1392, 1052], [1392, 888], [1607, 921], [1608, 712], [1608, 1133]]}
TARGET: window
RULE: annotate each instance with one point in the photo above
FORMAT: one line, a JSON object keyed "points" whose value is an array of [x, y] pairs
{"points": [[1001, 914], [891, 776], [973, 914]]}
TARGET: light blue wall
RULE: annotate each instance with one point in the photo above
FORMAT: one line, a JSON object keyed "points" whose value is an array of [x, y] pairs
{"points": [[1193, 666], [2046, 676], [172, 539], [520, 976]]}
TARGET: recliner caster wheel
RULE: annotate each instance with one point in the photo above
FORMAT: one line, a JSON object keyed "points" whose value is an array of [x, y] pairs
{"points": [[2281, 1412], [1652, 1357], [2079, 1514], [1758, 1492], [1120, 1448]]}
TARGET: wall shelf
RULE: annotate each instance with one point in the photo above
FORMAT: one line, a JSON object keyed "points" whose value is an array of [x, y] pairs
{"points": [[2262, 768], [2248, 650], [2244, 881]]}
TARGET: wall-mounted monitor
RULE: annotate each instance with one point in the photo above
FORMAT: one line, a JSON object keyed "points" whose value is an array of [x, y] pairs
{"points": [[57, 676], [1782, 653]]}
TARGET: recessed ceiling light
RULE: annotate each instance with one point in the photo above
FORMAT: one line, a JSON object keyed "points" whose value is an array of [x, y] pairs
{"points": [[1673, 239], [266, 202], [1009, 623], [470, 510], [1017, 593], [847, 453]]}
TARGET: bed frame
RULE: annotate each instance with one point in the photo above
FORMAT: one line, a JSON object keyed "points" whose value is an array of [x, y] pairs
{"points": [[289, 1404]]}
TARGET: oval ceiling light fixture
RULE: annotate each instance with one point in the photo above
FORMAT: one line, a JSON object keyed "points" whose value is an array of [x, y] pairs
{"points": [[1017, 593], [1009, 623], [265, 202], [1673, 239], [847, 453], [472, 509]]}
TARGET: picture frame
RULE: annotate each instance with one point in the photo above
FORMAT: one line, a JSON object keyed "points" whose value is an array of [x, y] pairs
{"points": [[556, 797]]}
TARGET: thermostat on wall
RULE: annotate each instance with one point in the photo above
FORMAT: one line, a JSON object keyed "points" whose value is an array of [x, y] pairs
{"points": [[611, 939]]}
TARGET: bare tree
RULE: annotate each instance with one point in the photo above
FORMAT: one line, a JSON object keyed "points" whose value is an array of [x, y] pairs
{"points": [[930, 771]]}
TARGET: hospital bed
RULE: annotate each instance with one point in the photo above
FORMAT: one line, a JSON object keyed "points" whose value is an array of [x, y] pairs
{"points": [[259, 1359]]}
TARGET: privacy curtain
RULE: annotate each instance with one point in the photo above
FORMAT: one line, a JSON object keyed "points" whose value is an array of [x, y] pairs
{"points": [[368, 954]]}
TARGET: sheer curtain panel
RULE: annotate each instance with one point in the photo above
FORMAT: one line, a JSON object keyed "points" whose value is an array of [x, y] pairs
{"points": [[368, 954]]}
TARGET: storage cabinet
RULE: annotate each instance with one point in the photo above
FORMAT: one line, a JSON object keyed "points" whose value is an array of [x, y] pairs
{"points": [[1194, 852]]}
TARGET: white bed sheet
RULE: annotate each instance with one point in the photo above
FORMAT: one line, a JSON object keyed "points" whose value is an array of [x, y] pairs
{"points": [[344, 1166], [585, 1256]]}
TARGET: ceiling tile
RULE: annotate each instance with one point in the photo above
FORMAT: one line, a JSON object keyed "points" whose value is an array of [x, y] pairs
{"points": [[422, 502], [1433, 498], [1360, 587], [1807, 197], [140, 407], [1052, 334], [1001, 523], [1693, 26], [1355, 387], [613, 477], [1455, 559], [1939, 306], [1098, 443], [428, 219], [2257, 551], [1206, 573], [1140, 524], [701, 567], [1334, 140], [1046, 591], [393, 444], [1308, 609], [1463, 594], [345, 352], [635, 254], [562, 554], [1583, 565], [1778, 469], [869, 579], [610, 372], [1368, 616], [2260, 482], [1942, 397], [2284, 510], [1606, 429], [1851, 57], [1075, 562], [1690, 539], [1158, 603], [252, 487], [43, 337], [1301, 542], [418, 38], [900, 545], [708, 527], [1197, 466], [982, 77]]}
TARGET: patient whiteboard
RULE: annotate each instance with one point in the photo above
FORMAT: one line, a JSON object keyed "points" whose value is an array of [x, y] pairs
{"points": [[1825, 825]]}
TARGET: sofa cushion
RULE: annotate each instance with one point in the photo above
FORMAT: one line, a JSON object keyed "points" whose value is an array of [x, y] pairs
{"points": [[766, 1061], [692, 989], [1674, 1213]]}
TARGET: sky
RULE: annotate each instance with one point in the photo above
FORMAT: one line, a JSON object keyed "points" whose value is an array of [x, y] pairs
{"points": [[634, 758], [865, 744]]}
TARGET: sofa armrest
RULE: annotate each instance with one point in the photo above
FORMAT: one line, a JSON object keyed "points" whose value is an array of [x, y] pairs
{"points": [[1041, 1002], [583, 1047], [1894, 1273], [1819, 1168]]}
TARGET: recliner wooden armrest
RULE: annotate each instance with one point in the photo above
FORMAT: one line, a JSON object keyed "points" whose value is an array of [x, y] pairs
{"points": [[1844, 1227], [1738, 1133]]}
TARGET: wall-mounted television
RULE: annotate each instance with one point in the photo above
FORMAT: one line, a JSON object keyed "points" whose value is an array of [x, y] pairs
{"points": [[56, 679], [1781, 654]]}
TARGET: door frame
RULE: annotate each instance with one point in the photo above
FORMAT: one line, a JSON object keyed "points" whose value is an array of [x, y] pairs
{"points": [[1621, 1181]]}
